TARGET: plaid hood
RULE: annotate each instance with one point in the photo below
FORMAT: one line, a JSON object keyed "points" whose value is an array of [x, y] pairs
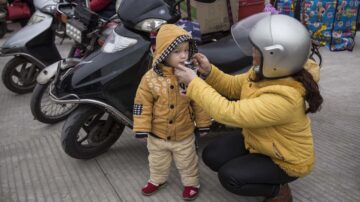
{"points": [[167, 39]]}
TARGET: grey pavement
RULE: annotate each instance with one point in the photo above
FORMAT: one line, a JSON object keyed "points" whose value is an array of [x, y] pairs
{"points": [[33, 166]]}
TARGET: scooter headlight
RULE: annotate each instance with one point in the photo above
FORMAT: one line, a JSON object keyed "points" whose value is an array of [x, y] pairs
{"points": [[150, 25], [115, 43]]}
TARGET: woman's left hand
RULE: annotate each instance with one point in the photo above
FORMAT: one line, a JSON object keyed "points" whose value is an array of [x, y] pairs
{"points": [[184, 75]]}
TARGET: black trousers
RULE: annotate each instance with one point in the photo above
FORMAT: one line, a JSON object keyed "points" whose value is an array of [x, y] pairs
{"points": [[243, 173]]}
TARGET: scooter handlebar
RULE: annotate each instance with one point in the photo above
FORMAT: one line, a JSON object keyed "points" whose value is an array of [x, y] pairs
{"points": [[66, 10]]}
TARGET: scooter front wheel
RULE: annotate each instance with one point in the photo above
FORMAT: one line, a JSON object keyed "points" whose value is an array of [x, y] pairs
{"points": [[44, 109], [19, 75], [89, 131]]}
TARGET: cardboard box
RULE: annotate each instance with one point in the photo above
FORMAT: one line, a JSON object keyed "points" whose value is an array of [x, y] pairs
{"points": [[250, 7], [212, 17]]}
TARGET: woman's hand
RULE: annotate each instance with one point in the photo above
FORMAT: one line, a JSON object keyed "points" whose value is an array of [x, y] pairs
{"points": [[184, 74], [201, 61]]}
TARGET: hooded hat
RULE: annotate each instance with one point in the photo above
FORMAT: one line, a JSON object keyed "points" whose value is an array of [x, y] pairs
{"points": [[167, 39]]}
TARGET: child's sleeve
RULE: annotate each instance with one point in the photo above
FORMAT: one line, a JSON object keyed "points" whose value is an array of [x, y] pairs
{"points": [[142, 110], [202, 119]]}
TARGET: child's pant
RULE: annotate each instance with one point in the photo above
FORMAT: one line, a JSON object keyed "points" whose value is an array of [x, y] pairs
{"points": [[161, 153]]}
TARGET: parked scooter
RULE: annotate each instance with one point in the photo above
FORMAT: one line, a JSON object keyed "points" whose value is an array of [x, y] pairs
{"points": [[88, 31], [32, 47], [105, 82]]}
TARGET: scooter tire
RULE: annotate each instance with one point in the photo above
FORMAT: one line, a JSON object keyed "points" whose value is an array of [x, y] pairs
{"points": [[36, 109], [71, 129], [8, 73]]}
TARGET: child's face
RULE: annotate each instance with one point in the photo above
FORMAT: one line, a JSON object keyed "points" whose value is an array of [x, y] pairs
{"points": [[179, 55]]}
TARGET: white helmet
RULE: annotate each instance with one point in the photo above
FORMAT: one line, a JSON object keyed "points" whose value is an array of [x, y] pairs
{"points": [[284, 43]]}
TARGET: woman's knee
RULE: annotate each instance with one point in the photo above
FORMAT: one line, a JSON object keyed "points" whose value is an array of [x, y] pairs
{"points": [[230, 181], [210, 157], [223, 149]]}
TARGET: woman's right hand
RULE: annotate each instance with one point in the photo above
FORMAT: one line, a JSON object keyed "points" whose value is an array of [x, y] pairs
{"points": [[201, 61]]}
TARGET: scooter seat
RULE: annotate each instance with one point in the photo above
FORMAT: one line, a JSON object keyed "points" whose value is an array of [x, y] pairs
{"points": [[225, 54]]}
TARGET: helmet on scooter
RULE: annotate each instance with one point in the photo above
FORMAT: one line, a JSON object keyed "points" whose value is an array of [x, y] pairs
{"points": [[283, 42]]}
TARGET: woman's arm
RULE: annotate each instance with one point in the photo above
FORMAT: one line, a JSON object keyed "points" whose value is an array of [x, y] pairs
{"points": [[266, 110], [227, 85]]}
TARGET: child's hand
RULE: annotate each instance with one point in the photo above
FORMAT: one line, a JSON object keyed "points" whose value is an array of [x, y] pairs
{"points": [[201, 61]]}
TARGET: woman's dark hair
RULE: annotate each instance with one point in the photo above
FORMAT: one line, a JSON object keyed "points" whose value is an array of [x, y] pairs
{"points": [[312, 96]]}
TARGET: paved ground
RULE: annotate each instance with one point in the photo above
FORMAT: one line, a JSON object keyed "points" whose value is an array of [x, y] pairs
{"points": [[33, 166]]}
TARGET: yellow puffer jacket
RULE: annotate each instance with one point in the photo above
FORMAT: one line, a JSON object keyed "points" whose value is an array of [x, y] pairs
{"points": [[271, 113], [164, 111], [159, 108]]}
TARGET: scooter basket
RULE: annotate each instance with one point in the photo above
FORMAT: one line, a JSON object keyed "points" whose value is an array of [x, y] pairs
{"points": [[87, 17]]}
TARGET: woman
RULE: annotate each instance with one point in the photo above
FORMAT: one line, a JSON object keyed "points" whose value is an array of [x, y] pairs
{"points": [[274, 98]]}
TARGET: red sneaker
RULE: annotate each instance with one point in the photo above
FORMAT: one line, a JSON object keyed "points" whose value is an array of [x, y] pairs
{"points": [[151, 188], [190, 193]]}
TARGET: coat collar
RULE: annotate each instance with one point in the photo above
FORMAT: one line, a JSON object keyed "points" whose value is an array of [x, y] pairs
{"points": [[163, 70]]}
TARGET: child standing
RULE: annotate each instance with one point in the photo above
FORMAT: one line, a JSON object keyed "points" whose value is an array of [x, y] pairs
{"points": [[168, 119]]}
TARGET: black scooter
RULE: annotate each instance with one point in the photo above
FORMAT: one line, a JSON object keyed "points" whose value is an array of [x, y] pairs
{"points": [[89, 31], [104, 83], [32, 47]]}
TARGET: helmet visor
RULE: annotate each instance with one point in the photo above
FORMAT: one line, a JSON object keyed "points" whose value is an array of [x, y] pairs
{"points": [[241, 31]]}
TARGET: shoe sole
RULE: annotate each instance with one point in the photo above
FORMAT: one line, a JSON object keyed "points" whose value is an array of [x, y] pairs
{"points": [[160, 187]]}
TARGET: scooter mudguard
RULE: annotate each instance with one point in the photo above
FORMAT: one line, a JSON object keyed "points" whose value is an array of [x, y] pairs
{"points": [[47, 73]]}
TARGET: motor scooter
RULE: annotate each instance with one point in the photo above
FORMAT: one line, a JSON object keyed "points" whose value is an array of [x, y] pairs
{"points": [[88, 30], [32, 47], [104, 83]]}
